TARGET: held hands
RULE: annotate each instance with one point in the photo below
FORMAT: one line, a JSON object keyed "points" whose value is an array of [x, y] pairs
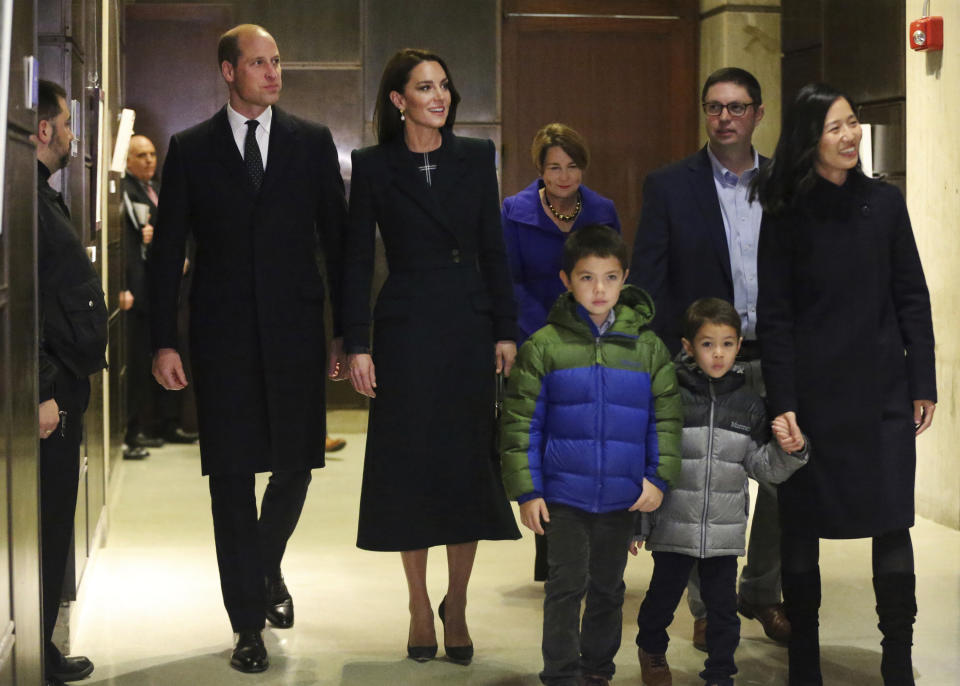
{"points": [[787, 432], [168, 369], [362, 374], [146, 233], [49, 417], [531, 512], [923, 415], [649, 500], [337, 369], [635, 544], [506, 352]]}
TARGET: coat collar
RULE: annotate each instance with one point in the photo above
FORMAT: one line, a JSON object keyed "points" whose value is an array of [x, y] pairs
{"points": [[283, 135], [526, 209], [411, 182]]}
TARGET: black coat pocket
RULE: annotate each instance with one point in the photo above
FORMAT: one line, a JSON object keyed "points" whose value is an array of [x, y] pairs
{"points": [[75, 327]]}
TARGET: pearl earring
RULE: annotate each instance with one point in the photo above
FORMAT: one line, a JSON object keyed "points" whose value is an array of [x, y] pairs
{"points": [[402, 118]]}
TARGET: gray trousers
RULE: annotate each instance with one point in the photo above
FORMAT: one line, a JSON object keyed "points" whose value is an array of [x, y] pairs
{"points": [[760, 578]]}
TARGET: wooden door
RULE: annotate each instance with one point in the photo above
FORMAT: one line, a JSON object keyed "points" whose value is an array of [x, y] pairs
{"points": [[621, 72], [20, 623]]}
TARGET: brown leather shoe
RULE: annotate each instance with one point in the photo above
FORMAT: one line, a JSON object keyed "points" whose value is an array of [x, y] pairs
{"points": [[654, 670], [700, 634], [335, 444], [774, 620]]}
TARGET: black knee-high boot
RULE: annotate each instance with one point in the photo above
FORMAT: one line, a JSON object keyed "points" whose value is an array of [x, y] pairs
{"points": [[897, 610], [801, 599]]}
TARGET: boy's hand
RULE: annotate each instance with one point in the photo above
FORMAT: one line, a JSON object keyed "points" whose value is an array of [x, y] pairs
{"points": [[531, 513], [649, 500], [787, 432], [506, 352]]}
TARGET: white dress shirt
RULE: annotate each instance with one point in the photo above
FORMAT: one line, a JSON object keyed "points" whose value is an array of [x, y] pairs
{"points": [[238, 124]]}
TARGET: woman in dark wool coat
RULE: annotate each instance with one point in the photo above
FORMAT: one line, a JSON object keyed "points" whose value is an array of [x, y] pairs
{"points": [[847, 352], [444, 322]]}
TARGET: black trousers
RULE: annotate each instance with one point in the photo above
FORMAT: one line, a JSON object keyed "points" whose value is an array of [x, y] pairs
{"points": [[59, 480], [250, 547], [718, 587], [140, 383]]}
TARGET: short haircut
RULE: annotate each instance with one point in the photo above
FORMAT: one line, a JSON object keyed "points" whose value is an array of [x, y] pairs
{"points": [[561, 135], [48, 103], [595, 240], [741, 77], [228, 49], [709, 311]]}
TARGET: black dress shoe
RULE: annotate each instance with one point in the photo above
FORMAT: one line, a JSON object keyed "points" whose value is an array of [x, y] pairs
{"points": [[462, 655], [249, 655], [141, 440], [421, 653], [279, 609], [178, 435], [70, 668], [135, 453]]}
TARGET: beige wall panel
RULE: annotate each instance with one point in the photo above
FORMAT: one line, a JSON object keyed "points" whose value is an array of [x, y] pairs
{"points": [[751, 41], [933, 197]]}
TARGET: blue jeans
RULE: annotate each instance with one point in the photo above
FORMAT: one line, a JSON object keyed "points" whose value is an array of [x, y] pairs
{"points": [[587, 554]]}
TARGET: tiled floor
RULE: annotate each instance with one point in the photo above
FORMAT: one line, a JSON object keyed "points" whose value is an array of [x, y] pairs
{"points": [[153, 614]]}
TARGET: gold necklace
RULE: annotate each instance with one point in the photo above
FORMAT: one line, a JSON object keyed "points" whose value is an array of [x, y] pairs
{"points": [[559, 215]]}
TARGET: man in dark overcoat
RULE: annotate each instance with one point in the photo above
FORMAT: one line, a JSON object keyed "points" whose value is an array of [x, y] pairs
{"points": [[698, 238], [73, 338], [261, 192]]}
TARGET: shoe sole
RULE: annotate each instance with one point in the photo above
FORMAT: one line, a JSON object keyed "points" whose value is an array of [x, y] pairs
{"points": [[74, 676]]}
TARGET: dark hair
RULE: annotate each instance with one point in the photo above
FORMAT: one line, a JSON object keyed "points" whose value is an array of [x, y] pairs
{"points": [[561, 135], [709, 311], [228, 48], [386, 117], [786, 179], [595, 240], [736, 75], [48, 104]]}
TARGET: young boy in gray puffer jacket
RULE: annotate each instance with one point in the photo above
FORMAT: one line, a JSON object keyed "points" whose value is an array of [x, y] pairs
{"points": [[703, 518]]}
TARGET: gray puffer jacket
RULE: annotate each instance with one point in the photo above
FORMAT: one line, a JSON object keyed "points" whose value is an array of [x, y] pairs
{"points": [[725, 439]]}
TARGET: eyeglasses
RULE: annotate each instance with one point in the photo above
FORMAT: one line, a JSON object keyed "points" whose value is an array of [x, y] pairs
{"points": [[735, 109]]}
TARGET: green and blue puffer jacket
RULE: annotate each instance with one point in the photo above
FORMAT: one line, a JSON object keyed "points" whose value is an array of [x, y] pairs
{"points": [[588, 416]]}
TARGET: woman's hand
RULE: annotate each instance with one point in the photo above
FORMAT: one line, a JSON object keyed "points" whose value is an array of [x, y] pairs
{"points": [[362, 374], [923, 415], [506, 354], [783, 432]]}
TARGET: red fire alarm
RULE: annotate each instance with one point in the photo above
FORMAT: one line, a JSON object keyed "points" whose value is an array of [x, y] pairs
{"points": [[926, 33]]}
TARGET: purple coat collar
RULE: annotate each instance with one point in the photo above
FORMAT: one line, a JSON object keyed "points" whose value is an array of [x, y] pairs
{"points": [[526, 209]]}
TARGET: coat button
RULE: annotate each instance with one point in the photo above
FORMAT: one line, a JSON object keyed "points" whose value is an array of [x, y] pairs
{"points": [[455, 254], [90, 304]]}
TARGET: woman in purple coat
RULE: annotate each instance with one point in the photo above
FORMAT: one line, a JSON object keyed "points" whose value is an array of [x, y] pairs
{"points": [[538, 219], [536, 222]]}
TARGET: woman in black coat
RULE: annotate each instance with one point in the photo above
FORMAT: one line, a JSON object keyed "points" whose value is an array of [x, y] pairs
{"points": [[847, 352], [444, 323]]}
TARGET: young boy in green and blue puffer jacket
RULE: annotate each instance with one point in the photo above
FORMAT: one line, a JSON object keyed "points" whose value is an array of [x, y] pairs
{"points": [[703, 520], [590, 435]]}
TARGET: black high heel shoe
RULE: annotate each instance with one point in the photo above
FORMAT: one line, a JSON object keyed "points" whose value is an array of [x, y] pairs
{"points": [[462, 655], [421, 653]]}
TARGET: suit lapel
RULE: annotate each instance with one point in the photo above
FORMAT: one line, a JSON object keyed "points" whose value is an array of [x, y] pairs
{"points": [[283, 137], [409, 180], [705, 192], [225, 149]]}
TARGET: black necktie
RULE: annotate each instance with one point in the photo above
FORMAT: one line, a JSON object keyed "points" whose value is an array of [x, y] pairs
{"points": [[251, 155]]}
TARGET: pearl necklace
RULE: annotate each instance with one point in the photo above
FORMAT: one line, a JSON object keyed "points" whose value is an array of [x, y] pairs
{"points": [[559, 215]]}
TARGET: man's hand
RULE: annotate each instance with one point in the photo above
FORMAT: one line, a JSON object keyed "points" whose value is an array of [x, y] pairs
{"points": [[146, 233], [789, 442], [506, 354], [649, 500], [531, 513], [168, 369], [362, 374], [337, 369], [125, 300], [49, 417], [923, 414]]}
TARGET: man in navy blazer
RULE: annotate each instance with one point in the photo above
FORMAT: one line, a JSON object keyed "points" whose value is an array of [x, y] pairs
{"points": [[698, 238], [261, 193]]}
